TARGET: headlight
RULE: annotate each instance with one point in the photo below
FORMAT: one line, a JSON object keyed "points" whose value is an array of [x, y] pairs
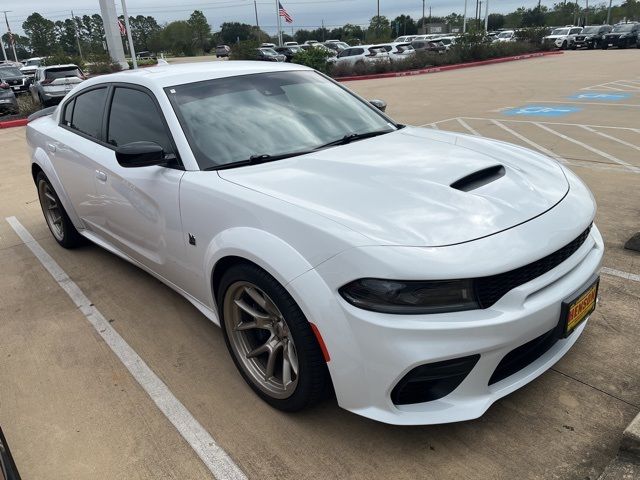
{"points": [[410, 297]]}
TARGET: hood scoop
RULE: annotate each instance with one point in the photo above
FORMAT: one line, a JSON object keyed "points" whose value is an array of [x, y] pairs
{"points": [[478, 179]]}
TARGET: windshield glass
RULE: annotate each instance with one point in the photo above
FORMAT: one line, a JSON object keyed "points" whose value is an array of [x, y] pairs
{"points": [[505, 35], [231, 119], [623, 28], [591, 29], [560, 31], [10, 72], [269, 52], [32, 62]]}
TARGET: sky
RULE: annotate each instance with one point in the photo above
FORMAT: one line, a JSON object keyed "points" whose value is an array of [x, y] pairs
{"points": [[305, 13]]}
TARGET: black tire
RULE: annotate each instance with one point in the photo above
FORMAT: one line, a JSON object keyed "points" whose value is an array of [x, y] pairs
{"points": [[69, 238], [604, 46], [43, 102], [564, 45], [313, 381]]}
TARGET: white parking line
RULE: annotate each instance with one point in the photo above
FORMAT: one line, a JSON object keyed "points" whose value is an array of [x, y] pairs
{"points": [[623, 142], [633, 105], [625, 84], [529, 142], [621, 274], [505, 120], [590, 148], [213, 456], [468, 127]]}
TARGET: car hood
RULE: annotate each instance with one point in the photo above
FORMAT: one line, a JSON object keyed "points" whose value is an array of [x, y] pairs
{"points": [[396, 189]]}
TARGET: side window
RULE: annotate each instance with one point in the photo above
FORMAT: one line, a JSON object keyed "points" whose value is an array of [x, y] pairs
{"points": [[134, 117], [68, 112], [358, 51], [575, 30], [87, 112]]}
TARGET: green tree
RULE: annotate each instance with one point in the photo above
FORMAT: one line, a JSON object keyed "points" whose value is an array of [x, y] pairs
{"points": [[66, 37], [41, 33], [496, 21], [200, 30], [23, 48], [232, 32], [379, 29], [403, 25], [142, 29], [178, 38]]}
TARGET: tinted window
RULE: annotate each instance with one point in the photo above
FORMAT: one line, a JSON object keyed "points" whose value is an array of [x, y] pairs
{"points": [[134, 117], [87, 113], [357, 51], [65, 72]]}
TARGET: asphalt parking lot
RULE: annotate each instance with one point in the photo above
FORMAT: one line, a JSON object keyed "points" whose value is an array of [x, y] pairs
{"points": [[70, 409]]}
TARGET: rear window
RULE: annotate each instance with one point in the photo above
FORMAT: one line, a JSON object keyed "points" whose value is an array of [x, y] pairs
{"points": [[54, 73]]}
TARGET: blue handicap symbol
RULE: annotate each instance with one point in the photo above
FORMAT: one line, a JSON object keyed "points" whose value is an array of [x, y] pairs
{"points": [[611, 96], [542, 110]]}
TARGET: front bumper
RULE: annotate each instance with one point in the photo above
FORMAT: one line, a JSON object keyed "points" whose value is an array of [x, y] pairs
{"points": [[371, 352]]}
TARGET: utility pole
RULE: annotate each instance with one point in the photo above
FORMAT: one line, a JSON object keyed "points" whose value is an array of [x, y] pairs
{"points": [[11, 40], [609, 13], [424, 28], [255, 7], [586, 14], [323, 31], [4, 53], [132, 50], [464, 18], [75, 29], [486, 17], [378, 7]]}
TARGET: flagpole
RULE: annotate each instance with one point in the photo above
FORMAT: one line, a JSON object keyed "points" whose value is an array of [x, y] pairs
{"points": [[279, 27], [132, 49]]}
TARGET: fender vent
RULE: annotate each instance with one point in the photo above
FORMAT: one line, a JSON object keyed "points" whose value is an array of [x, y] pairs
{"points": [[479, 178]]}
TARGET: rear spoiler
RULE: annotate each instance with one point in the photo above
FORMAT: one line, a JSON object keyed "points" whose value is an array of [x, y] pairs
{"points": [[41, 113]]}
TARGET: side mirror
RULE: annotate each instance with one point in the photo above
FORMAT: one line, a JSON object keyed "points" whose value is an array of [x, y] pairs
{"points": [[379, 104], [140, 154]]}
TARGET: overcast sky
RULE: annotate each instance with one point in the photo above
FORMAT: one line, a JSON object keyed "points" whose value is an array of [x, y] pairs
{"points": [[305, 13]]}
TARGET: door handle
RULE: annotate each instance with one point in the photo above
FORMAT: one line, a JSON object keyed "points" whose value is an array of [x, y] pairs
{"points": [[101, 176], [51, 147]]}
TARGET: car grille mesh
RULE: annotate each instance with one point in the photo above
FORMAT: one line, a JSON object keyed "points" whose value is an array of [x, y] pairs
{"points": [[490, 289]]}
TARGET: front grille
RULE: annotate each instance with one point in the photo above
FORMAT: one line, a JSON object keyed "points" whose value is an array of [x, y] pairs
{"points": [[490, 289], [579, 39]]}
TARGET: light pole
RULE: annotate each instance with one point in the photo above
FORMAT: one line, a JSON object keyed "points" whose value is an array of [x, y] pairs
{"points": [[4, 53], [132, 50], [486, 16], [11, 40], [424, 29], [112, 33], [609, 13], [464, 18]]}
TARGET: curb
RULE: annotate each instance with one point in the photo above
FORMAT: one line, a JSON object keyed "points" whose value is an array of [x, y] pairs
{"points": [[444, 68], [630, 444], [21, 122]]}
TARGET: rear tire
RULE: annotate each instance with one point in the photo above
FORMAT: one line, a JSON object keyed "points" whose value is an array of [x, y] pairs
{"points": [[260, 320], [56, 216]]}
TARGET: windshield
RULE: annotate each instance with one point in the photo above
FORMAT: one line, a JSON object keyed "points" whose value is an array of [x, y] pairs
{"points": [[54, 73], [505, 35], [231, 119], [32, 62], [591, 29], [627, 27], [269, 52], [560, 31], [10, 72]]}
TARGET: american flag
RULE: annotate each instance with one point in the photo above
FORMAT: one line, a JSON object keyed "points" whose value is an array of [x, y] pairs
{"points": [[284, 14], [121, 26]]}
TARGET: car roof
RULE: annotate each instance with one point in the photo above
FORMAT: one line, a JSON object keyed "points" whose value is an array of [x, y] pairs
{"points": [[66, 65], [178, 74]]}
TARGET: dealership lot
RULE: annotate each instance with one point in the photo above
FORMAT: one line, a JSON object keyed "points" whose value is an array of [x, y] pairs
{"points": [[69, 405]]}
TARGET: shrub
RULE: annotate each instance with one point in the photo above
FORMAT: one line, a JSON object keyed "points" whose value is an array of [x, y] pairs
{"points": [[244, 50], [62, 59], [26, 106], [143, 63], [315, 58]]}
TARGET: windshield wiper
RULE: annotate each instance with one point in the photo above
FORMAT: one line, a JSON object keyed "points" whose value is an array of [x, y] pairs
{"points": [[352, 137], [258, 159]]}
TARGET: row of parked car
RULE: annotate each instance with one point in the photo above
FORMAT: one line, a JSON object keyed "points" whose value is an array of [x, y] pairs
{"points": [[622, 35], [46, 84]]}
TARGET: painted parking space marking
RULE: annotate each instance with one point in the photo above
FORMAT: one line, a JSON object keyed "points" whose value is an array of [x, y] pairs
{"points": [[619, 273], [541, 110], [600, 96], [512, 125], [212, 455], [617, 85], [468, 127]]}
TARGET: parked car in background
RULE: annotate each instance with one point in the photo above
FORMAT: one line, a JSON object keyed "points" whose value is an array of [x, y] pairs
{"points": [[8, 100], [290, 44], [288, 51], [623, 35], [269, 55], [405, 39], [448, 41], [52, 83], [311, 42], [362, 55], [145, 55], [562, 38], [30, 66], [428, 46], [222, 51], [267, 45], [505, 36], [399, 49], [336, 45], [590, 37], [12, 76]]}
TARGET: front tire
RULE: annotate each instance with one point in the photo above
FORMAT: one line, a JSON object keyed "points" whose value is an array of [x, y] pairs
{"points": [[56, 216], [270, 340]]}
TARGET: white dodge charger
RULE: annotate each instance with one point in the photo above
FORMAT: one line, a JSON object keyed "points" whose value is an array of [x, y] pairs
{"points": [[420, 274]]}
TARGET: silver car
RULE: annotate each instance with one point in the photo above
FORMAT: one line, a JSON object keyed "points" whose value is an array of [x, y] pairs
{"points": [[52, 83]]}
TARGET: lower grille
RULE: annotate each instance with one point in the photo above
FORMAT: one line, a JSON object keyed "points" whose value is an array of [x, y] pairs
{"points": [[490, 289], [525, 355]]}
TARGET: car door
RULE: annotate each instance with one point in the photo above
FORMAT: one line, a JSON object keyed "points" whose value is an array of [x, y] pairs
{"points": [[73, 150], [139, 211]]}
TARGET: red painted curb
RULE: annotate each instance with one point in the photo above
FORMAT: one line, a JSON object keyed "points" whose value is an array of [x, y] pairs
{"points": [[444, 68], [21, 122]]}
